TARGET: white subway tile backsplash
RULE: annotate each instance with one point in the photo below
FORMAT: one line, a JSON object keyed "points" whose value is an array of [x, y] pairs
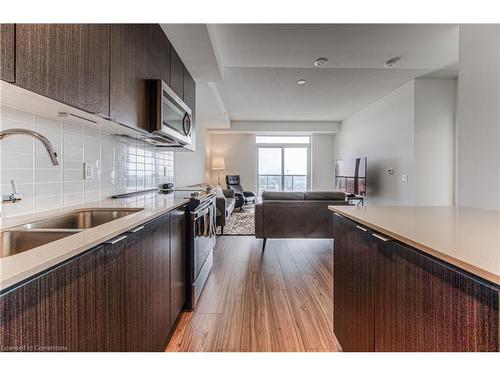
{"points": [[72, 199], [73, 187], [53, 135], [43, 203], [91, 196], [16, 160], [48, 123], [73, 152], [48, 175], [22, 207], [20, 176], [122, 164], [73, 165], [16, 114], [47, 189], [17, 143]]}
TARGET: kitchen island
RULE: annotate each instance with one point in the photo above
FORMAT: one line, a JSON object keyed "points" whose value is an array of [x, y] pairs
{"points": [[416, 278]]}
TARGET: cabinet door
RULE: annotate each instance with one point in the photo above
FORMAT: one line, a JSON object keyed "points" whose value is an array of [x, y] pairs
{"points": [[422, 304], [65, 62], [53, 312], [160, 55], [7, 52], [178, 262], [110, 295], [143, 293], [159, 235], [129, 71], [190, 100], [176, 73], [353, 274]]}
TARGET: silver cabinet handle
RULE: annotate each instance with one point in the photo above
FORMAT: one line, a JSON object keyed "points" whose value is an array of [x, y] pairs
{"points": [[362, 228], [138, 229], [380, 237], [337, 214], [115, 240]]}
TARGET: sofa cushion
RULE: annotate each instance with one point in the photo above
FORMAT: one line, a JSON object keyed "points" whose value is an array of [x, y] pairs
{"points": [[282, 196], [324, 195]]}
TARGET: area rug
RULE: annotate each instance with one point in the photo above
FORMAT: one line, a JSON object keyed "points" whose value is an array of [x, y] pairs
{"points": [[240, 223]]}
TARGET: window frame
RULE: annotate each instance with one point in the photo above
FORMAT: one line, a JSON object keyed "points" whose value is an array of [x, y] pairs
{"points": [[282, 146]]}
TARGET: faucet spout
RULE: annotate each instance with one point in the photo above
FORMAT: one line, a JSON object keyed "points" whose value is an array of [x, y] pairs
{"points": [[48, 146]]}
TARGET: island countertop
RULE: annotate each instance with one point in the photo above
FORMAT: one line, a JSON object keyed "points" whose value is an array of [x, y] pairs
{"points": [[466, 237], [18, 267]]}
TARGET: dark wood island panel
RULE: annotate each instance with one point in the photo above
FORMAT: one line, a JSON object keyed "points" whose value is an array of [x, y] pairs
{"points": [[389, 296]]}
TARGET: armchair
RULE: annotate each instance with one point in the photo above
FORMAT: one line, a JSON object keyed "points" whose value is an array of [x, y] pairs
{"points": [[226, 203], [233, 183]]}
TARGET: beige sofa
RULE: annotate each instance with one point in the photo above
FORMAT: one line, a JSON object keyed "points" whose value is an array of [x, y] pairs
{"points": [[296, 214]]}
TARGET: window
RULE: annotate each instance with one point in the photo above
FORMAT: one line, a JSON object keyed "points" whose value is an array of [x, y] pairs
{"points": [[282, 139], [282, 166]]}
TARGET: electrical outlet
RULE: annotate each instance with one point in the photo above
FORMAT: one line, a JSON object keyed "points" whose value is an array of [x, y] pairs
{"points": [[404, 177], [89, 171]]}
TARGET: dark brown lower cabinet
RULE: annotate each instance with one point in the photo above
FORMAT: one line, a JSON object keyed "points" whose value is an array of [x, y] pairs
{"points": [[178, 257], [115, 297], [54, 312], [424, 305], [353, 269], [400, 299], [147, 298]]}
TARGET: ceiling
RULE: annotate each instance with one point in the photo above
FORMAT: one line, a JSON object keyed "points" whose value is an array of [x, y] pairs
{"points": [[259, 66]]}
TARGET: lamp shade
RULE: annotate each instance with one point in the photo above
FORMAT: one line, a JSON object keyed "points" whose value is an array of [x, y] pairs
{"points": [[218, 162]]}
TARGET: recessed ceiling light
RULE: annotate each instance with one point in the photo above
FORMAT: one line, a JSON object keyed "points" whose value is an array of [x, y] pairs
{"points": [[301, 81], [320, 61], [391, 62]]}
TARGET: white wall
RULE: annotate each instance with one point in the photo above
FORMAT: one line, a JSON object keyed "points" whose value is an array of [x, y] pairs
{"points": [[190, 166], [434, 126], [323, 161], [239, 153], [411, 131], [383, 132], [479, 116]]}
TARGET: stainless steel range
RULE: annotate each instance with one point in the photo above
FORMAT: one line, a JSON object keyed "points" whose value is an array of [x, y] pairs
{"points": [[201, 237]]}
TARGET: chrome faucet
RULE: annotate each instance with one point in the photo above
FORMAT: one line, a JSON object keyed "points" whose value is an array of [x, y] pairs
{"points": [[15, 196], [48, 146]]}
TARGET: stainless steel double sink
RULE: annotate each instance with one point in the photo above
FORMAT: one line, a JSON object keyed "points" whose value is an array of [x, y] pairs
{"points": [[28, 236]]}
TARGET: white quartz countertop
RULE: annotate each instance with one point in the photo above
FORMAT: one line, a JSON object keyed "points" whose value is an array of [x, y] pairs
{"points": [[18, 267], [466, 237]]}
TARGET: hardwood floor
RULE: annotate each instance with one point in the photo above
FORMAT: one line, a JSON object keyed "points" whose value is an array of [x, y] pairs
{"points": [[279, 300]]}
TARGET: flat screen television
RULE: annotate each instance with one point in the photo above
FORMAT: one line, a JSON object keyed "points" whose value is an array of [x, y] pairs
{"points": [[350, 176]]}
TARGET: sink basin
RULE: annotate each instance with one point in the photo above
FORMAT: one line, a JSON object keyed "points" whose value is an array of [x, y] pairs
{"points": [[18, 241], [38, 233], [81, 219]]}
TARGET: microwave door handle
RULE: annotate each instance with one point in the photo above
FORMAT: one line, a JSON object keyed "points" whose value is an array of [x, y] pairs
{"points": [[186, 124]]}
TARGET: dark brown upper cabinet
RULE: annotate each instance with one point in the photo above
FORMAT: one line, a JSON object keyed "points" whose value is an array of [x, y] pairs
{"points": [[65, 62], [176, 73], [7, 52], [130, 69], [190, 100], [160, 55]]}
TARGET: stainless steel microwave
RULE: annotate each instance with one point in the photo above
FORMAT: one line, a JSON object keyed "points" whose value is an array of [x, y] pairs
{"points": [[170, 117]]}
